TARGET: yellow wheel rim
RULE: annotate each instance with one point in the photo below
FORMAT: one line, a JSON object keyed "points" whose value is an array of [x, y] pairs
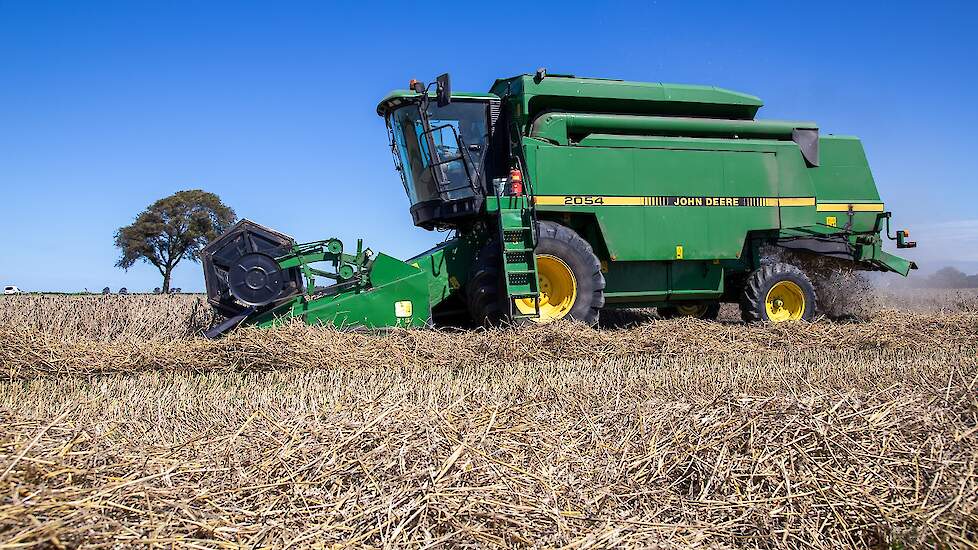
{"points": [[785, 302], [691, 310], [558, 290]]}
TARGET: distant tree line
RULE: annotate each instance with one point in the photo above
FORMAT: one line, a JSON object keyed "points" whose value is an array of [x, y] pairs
{"points": [[947, 277]]}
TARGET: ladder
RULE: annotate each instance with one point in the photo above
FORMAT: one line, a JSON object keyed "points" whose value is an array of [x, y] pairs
{"points": [[518, 240]]}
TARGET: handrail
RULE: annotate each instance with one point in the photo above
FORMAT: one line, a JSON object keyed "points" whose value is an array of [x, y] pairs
{"points": [[557, 126]]}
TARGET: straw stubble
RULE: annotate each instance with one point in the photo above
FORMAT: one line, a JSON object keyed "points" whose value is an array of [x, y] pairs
{"points": [[677, 433]]}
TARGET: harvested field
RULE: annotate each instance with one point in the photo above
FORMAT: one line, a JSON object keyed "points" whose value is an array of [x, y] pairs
{"points": [[929, 300], [121, 427]]}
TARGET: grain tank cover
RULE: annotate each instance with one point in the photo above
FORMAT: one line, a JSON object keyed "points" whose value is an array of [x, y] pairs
{"points": [[570, 93]]}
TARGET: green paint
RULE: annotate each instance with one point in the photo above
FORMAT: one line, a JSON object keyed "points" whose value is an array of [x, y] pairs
{"points": [[517, 235], [446, 267], [677, 188], [531, 96]]}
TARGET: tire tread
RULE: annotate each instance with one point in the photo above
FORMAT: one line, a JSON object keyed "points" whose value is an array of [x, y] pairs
{"points": [[753, 297], [483, 290]]}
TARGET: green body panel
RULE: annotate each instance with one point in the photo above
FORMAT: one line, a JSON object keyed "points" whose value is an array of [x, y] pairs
{"points": [[891, 262], [662, 168], [533, 96], [426, 281], [446, 267], [390, 281], [844, 173], [628, 166]]}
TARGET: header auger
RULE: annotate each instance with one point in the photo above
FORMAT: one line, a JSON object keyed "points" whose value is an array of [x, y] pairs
{"points": [[570, 195]]}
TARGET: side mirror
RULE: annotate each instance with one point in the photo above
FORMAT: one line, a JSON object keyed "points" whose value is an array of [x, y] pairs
{"points": [[902, 241], [444, 90]]}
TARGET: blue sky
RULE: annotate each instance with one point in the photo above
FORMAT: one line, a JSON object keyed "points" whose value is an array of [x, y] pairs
{"points": [[107, 106]]}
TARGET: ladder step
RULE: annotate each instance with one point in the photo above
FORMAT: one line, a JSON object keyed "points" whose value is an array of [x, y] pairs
{"points": [[518, 243], [525, 315], [527, 290]]}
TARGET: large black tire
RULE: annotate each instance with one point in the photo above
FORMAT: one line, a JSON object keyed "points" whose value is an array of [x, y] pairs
{"points": [[483, 291], [708, 311], [753, 304]]}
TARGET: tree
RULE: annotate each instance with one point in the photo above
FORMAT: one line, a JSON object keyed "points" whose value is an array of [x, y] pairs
{"points": [[172, 229], [948, 277]]}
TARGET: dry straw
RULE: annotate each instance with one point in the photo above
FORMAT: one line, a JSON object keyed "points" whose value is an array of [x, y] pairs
{"points": [[675, 433], [28, 352]]}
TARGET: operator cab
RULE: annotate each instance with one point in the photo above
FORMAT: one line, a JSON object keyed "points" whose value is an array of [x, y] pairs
{"points": [[441, 149]]}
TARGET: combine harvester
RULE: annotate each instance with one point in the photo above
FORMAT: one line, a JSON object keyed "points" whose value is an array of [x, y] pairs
{"points": [[570, 195]]}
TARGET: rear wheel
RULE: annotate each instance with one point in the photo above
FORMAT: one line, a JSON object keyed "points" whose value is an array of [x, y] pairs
{"points": [[700, 310], [776, 293], [570, 280]]}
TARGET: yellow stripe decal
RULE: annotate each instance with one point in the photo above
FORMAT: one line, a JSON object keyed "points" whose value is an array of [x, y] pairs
{"points": [[604, 200], [548, 200], [844, 207], [796, 201], [589, 200]]}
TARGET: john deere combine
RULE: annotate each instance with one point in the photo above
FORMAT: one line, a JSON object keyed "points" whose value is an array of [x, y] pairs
{"points": [[570, 195]]}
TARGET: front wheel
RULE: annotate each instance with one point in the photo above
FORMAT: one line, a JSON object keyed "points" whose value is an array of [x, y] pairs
{"points": [[777, 293], [570, 281], [569, 274]]}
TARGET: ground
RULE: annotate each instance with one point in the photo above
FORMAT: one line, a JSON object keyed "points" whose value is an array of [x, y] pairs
{"points": [[119, 425]]}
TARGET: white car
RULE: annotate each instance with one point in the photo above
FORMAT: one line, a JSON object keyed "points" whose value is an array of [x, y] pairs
{"points": [[11, 290]]}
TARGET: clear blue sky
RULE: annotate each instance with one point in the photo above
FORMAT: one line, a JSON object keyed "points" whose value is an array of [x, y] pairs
{"points": [[107, 106]]}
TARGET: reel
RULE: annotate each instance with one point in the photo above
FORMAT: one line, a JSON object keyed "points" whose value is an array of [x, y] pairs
{"points": [[241, 272], [256, 279]]}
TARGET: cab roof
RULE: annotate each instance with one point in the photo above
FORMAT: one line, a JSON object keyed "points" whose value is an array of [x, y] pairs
{"points": [[568, 92], [396, 98]]}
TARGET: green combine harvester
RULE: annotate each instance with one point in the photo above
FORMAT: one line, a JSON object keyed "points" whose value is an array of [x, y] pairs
{"points": [[567, 196]]}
